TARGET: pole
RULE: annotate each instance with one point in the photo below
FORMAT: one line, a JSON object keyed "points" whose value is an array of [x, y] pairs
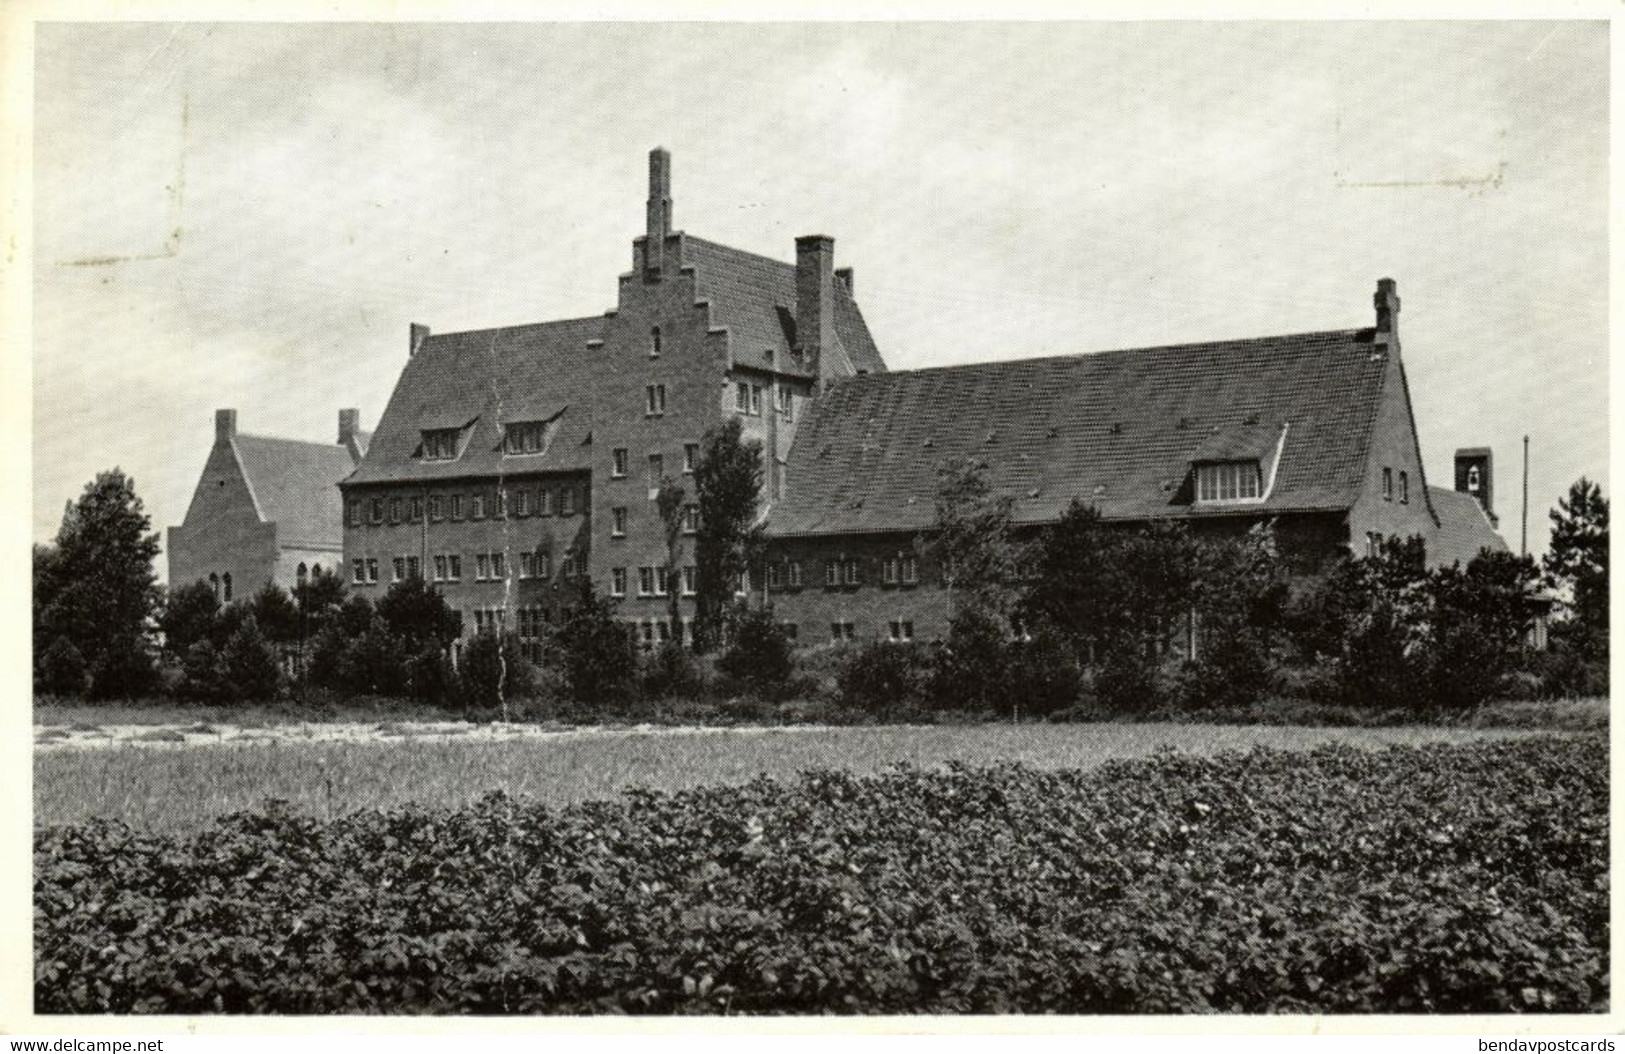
{"points": [[1523, 545]]}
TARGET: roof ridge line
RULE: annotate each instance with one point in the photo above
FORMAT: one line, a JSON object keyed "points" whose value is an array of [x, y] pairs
{"points": [[742, 252], [517, 325]]}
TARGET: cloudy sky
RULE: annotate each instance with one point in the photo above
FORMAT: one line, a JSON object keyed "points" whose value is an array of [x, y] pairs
{"points": [[251, 215]]}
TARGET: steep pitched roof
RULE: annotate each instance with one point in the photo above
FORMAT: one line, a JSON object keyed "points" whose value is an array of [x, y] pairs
{"points": [[1116, 429], [295, 485], [755, 297], [1464, 529], [476, 380]]}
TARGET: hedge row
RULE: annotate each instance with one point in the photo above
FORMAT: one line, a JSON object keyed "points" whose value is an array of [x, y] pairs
{"points": [[1461, 878]]}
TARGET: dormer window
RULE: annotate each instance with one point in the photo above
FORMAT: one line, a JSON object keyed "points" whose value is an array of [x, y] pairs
{"points": [[440, 444], [1229, 481], [524, 437]]}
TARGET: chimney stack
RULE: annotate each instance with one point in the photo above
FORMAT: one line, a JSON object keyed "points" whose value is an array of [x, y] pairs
{"points": [[1475, 475], [815, 304], [349, 425], [1387, 303], [420, 337], [659, 226], [843, 275], [225, 425]]}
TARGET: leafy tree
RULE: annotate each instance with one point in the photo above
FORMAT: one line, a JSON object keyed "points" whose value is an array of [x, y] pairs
{"points": [[494, 671], [276, 614], [201, 679], [972, 669], [61, 669], [669, 501], [1577, 561], [319, 596], [188, 616], [1240, 594], [1478, 626], [728, 485], [371, 662], [597, 653], [96, 586], [417, 614], [971, 538], [248, 667], [760, 654], [355, 616], [883, 677], [1373, 614]]}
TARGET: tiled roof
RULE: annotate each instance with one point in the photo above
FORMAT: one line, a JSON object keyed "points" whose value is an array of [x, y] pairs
{"points": [[1116, 429], [474, 379], [755, 297], [294, 484], [1464, 529]]}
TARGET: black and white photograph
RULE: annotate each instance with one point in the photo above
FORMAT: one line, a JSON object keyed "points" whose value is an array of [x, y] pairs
{"points": [[953, 520]]}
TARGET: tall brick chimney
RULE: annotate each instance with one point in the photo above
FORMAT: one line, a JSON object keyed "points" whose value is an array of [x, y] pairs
{"points": [[225, 426], [654, 244], [815, 304], [1387, 303], [349, 425], [420, 337]]}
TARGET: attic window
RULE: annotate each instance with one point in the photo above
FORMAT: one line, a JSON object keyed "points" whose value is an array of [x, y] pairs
{"points": [[440, 444], [525, 437], [1229, 481]]}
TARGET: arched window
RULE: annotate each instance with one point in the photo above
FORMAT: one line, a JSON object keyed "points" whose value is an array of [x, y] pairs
{"points": [[226, 582], [654, 343], [1472, 479], [302, 573], [315, 569], [214, 584]]}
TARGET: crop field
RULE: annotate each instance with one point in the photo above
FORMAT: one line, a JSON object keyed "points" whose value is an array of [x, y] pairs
{"points": [[178, 781], [1447, 877]]}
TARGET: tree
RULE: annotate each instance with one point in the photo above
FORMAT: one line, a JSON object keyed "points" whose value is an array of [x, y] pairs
{"points": [[760, 655], [276, 614], [248, 668], [728, 485], [1478, 626], [188, 616], [319, 597], [417, 614], [60, 670], [1577, 561], [494, 671], [598, 654], [971, 538], [669, 501], [96, 587]]}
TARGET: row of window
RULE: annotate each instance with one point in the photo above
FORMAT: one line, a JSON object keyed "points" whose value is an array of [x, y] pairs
{"points": [[620, 464], [748, 400], [1388, 485], [499, 504], [448, 567]]}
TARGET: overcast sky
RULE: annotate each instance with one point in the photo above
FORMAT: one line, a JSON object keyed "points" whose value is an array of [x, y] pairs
{"points": [[250, 216]]}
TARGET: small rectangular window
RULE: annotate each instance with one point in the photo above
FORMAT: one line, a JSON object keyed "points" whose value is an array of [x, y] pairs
{"points": [[690, 576], [413, 568], [1387, 484], [851, 572], [567, 501], [618, 468], [377, 510], [454, 568], [521, 503], [795, 574], [358, 571], [544, 565], [691, 519], [355, 514], [1404, 488], [691, 456], [756, 400], [646, 581], [617, 581], [544, 502], [527, 565], [786, 402], [440, 568], [617, 522], [655, 400], [437, 510], [394, 510], [499, 505], [456, 506], [372, 570], [742, 397], [888, 571], [498, 569], [476, 507], [657, 472], [775, 576], [440, 444], [417, 510], [911, 570], [661, 583], [832, 572], [482, 567]]}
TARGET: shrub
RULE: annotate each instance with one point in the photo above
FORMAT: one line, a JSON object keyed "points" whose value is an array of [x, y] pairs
{"points": [[123, 670], [971, 671], [61, 669], [1043, 676], [371, 662], [188, 616], [493, 671], [671, 672], [884, 678], [200, 679], [760, 654], [1126, 682], [248, 668], [597, 654]]}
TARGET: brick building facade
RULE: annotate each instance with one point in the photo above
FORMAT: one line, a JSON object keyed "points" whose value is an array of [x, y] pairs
{"points": [[265, 510], [508, 461]]}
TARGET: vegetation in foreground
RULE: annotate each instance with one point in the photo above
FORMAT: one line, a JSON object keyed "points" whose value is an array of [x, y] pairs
{"points": [[1466, 878], [186, 789]]}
